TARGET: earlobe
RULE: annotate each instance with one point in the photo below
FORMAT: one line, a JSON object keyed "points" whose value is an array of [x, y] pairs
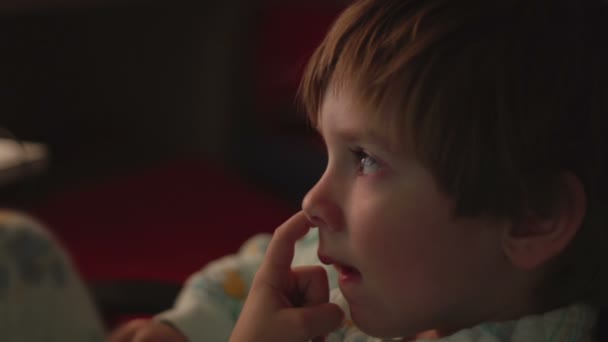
{"points": [[534, 241]]}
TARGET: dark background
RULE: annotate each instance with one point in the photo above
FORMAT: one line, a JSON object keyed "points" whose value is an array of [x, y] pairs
{"points": [[172, 126], [111, 86]]}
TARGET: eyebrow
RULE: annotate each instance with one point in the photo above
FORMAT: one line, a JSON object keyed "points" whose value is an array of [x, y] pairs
{"points": [[355, 135]]}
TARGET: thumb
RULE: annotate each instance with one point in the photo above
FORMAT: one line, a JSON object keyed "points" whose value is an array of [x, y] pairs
{"points": [[313, 321]]}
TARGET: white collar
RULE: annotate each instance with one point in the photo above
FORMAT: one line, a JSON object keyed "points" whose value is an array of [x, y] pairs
{"points": [[574, 323]]}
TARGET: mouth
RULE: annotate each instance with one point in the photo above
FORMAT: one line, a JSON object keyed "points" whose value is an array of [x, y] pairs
{"points": [[346, 273]]}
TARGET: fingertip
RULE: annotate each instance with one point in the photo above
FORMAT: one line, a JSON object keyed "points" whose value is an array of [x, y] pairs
{"points": [[295, 227], [341, 313], [309, 220], [340, 316], [334, 315], [286, 235], [280, 251]]}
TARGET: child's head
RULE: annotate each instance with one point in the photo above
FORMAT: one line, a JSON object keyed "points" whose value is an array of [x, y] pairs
{"points": [[466, 157]]}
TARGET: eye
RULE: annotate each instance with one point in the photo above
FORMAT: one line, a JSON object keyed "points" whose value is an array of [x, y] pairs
{"points": [[367, 165]]}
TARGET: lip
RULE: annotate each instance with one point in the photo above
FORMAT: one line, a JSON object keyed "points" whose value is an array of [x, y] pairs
{"points": [[346, 274], [325, 259]]}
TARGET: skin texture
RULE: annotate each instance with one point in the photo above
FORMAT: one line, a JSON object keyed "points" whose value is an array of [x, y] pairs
{"points": [[285, 303], [380, 211]]}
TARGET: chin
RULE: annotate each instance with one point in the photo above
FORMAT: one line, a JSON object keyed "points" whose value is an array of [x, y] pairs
{"points": [[369, 324]]}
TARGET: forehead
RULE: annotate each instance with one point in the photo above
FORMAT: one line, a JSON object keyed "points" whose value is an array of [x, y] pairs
{"points": [[343, 112]]}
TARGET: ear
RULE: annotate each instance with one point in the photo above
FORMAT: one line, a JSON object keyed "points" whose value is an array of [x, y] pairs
{"points": [[534, 241]]}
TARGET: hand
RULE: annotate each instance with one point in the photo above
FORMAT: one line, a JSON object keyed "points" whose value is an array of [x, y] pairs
{"points": [[286, 304], [145, 330]]}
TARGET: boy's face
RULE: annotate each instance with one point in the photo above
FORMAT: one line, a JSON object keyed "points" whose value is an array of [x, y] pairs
{"points": [[412, 266]]}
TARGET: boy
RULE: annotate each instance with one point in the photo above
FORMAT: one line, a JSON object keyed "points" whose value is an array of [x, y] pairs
{"points": [[464, 194]]}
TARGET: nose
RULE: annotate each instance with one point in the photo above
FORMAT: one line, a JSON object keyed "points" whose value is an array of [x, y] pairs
{"points": [[322, 204]]}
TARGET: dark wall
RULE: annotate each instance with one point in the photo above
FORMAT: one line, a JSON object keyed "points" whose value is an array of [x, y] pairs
{"points": [[116, 85], [110, 87]]}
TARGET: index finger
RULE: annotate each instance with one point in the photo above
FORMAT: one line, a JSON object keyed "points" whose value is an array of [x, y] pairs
{"points": [[280, 251]]}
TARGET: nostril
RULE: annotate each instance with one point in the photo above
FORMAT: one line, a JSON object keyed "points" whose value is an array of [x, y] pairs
{"points": [[324, 215], [329, 228], [321, 206], [316, 221]]}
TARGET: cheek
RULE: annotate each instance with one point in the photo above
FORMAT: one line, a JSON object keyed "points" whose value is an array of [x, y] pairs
{"points": [[413, 234], [397, 216], [387, 230]]}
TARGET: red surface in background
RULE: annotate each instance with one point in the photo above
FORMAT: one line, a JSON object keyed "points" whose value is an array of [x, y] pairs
{"points": [[287, 35], [159, 224]]}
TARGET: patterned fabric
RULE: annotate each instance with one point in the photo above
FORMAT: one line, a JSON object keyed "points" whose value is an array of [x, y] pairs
{"points": [[208, 306], [41, 297], [574, 323]]}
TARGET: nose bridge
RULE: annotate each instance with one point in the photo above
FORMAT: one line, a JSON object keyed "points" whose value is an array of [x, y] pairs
{"points": [[315, 193], [322, 203]]}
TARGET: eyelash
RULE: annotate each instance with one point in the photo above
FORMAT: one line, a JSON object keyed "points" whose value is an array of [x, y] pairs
{"points": [[363, 160]]}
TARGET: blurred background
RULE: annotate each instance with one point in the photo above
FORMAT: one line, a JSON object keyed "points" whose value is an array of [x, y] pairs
{"points": [[168, 131]]}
